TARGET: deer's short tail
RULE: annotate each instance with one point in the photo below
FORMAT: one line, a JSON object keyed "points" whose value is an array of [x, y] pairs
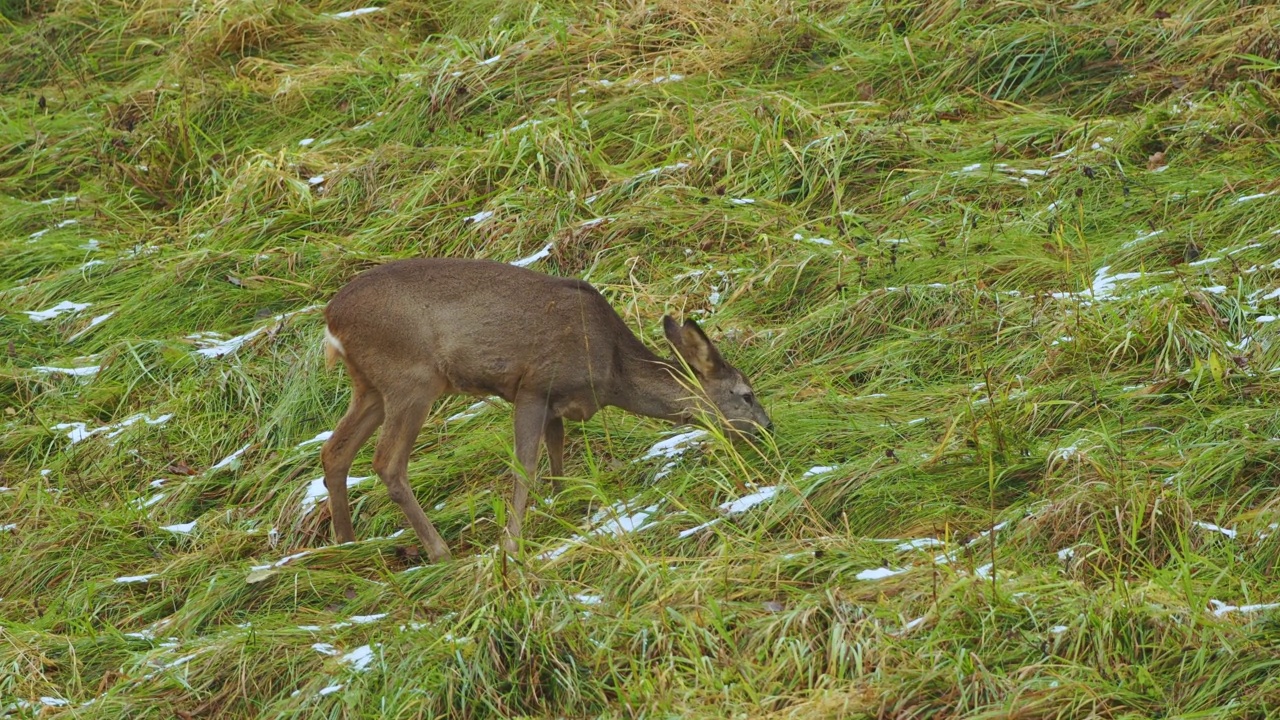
{"points": [[332, 349]]}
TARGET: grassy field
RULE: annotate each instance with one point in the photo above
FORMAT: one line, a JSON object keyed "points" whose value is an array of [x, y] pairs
{"points": [[1006, 275]]}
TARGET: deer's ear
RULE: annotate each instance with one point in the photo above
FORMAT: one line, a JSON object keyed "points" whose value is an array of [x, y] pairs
{"points": [[693, 345]]}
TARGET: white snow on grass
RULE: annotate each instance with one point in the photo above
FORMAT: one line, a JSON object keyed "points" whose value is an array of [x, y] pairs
{"points": [[742, 201], [63, 199], [1058, 629], [1265, 318], [315, 179], [531, 259], [322, 437], [1141, 237], [131, 579], [1214, 528], [80, 372], [588, 599], [326, 649], [304, 142], [919, 544], [317, 492], [359, 659], [366, 619], [53, 701], [331, 689], [1258, 196], [144, 503], [180, 528], [95, 322], [672, 448], [747, 502], [229, 459], [814, 240], [1063, 454], [478, 217], [9, 527], [489, 61], [282, 561], [66, 306], [1220, 608], [984, 572], [620, 522], [354, 13], [473, 410], [211, 346], [878, 573], [819, 470], [77, 431]]}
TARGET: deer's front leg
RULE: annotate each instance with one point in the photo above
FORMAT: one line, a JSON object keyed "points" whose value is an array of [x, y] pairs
{"points": [[530, 422]]}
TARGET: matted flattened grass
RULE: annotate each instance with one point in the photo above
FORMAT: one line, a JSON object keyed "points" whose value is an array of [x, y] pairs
{"points": [[1007, 276]]}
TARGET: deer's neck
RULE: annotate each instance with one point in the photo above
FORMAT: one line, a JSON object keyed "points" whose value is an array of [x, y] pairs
{"points": [[648, 386]]}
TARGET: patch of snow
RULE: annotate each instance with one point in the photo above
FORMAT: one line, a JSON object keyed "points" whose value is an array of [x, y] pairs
{"points": [[878, 573], [180, 528], [1220, 608], [1214, 528], [63, 199], [354, 13], [489, 61], [1215, 289], [1064, 453], [1058, 629], [674, 77], [329, 690], [747, 502], [317, 492], [53, 701], [77, 431], [742, 201], [1258, 196], [282, 561], [230, 458], [9, 527], [359, 659], [819, 470], [587, 599], [88, 371], [1141, 237], [366, 619], [326, 649], [527, 261], [129, 579], [144, 503], [306, 141], [984, 572], [61, 308], [1066, 553], [919, 544], [1265, 318], [617, 524], [315, 179], [95, 322], [317, 439]]}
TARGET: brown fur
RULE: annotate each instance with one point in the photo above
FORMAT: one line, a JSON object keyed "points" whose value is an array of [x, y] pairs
{"points": [[413, 330]]}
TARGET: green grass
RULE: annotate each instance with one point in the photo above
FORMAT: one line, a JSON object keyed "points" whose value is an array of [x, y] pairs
{"points": [[1009, 269]]}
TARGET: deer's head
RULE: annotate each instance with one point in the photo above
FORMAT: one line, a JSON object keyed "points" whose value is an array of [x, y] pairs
{"points": [[722, 390]]}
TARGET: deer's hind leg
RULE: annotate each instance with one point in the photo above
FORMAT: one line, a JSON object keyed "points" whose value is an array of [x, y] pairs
{"points": [[363, 417], [407, 409]]}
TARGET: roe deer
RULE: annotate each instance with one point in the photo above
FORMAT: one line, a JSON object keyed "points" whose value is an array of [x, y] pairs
{"points": [[413, 330]]}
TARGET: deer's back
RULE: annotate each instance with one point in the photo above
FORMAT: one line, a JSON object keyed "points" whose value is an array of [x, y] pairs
{"points": [[487, 327]]}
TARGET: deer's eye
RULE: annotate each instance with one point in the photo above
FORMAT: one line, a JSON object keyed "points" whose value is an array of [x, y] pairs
{"points": [[748, 398]]}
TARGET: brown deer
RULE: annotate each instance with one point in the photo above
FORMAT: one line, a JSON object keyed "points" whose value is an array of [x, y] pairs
{"points": [[413, 330]]}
